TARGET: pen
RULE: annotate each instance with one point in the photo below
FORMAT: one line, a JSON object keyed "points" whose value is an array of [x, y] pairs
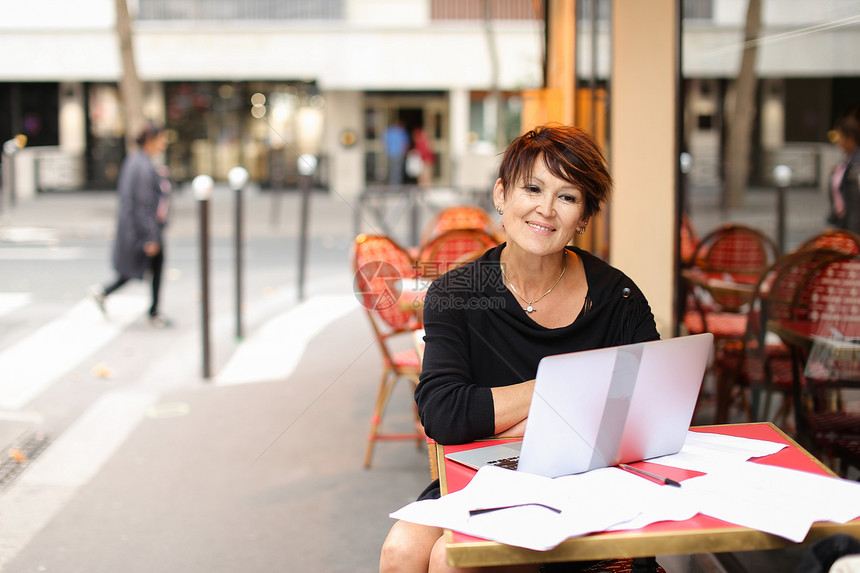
{"points": [[473, 512], [662, 479]]}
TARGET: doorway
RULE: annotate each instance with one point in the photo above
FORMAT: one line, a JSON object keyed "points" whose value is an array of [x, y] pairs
{"points": [[426, 109]]}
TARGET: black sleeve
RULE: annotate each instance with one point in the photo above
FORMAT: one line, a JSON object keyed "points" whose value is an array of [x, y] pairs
{"points": [[851, 195], [453, 409], [622, 307]]}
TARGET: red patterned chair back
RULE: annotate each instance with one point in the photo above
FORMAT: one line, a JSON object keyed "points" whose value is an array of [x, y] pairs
{"points": [[784, 279], [841, 240], [451, 249], [830, 296], [379, 263], [735, 249], [460, 217]]}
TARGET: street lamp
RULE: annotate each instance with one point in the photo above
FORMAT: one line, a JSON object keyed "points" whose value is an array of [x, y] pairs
{"points": [[238, 177], [202, 186]]}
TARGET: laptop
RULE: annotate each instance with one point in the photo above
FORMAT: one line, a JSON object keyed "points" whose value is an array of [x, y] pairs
{"points": [[599, 408]]}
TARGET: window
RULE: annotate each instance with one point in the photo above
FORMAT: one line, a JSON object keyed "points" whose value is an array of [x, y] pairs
{"points": [[698, 9], [476, 9]]}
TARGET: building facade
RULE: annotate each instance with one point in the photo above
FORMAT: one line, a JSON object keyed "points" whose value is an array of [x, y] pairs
{"points": [[256, 83], [331, 75]]}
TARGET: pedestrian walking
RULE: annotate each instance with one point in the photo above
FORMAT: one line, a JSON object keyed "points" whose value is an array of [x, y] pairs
{"points": [[396, 140], [144, 193], [844, 190]]}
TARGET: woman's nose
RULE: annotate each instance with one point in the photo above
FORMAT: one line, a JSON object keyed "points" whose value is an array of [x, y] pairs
{"points": [[545, 204]]}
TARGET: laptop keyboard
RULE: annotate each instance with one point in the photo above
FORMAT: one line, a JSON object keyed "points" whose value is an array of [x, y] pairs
{"points": [[507, 463]]}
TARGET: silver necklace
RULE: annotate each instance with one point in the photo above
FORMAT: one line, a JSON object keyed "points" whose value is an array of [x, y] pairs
{"points": [[530, 303]]}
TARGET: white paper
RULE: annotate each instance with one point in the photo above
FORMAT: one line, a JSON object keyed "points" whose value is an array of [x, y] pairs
{"points": [[780, 501], [776, 500], [593, 501], [705, 452]]}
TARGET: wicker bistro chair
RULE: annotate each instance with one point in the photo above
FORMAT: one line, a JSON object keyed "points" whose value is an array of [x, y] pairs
{"points": [[828, 302], [451, 249], [764, 362], [737, 255], [761, 361], [459, 217], [734, 251], [379, 263]]}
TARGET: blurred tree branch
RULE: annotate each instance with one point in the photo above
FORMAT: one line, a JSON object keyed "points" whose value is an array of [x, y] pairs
{"points": [[130, 87], [740, 124]]}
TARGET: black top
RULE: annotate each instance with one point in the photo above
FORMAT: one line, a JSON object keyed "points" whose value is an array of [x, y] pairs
{"points": [[848, 188], [478, 337]]}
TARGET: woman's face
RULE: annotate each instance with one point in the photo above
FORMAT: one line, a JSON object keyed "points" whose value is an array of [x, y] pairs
{"points": [[542, 212], [157, 144], [845, 141]]}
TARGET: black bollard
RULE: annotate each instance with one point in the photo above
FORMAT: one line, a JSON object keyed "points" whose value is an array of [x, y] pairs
{"points": [[782, 177], [238, 177], [307, 165], [202, 185]]}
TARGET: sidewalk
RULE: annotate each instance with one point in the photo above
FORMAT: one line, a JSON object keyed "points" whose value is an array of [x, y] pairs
{"points": [[250, 475]]}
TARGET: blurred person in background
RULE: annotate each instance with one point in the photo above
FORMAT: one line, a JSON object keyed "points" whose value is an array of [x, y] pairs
{"points": [[421, 146], [144, 192], [844, 184], [396, 141]]}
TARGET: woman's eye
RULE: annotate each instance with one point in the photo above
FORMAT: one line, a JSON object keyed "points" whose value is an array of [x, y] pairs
{"points": [[569, 198], [532, 189]]}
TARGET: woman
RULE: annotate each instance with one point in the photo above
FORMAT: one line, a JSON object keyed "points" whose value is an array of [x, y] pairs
{"points": [[421, 146], [490, 322], [844, 186], [139, 243]]}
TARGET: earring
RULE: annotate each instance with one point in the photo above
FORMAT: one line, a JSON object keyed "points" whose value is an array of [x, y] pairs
{"points": [[581, 230], [499, 210]]}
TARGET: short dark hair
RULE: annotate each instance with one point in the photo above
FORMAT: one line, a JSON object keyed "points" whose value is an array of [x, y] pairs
{"points": [[149, 132], [570, 153]]}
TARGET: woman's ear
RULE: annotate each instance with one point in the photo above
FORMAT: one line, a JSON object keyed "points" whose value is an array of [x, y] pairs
{"points": [[499, 195]]}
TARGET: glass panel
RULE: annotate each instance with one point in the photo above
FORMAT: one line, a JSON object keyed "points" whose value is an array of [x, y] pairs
{"points": [[244, 10]]}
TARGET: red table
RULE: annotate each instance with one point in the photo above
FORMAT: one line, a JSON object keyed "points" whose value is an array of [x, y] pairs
{"points": [[701, 534], [800, 332]]}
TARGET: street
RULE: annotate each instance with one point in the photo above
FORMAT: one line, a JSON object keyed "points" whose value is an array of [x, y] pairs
{"points": [[147, 466]]}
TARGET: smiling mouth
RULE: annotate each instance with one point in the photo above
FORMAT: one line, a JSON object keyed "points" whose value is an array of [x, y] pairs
{"points": [[541, 227]]}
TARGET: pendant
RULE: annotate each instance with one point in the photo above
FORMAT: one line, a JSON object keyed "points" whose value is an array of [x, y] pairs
{"points": [[530, 308]]}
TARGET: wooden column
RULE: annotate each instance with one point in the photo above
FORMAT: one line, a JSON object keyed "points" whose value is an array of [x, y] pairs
{"points": [[643, 149]]}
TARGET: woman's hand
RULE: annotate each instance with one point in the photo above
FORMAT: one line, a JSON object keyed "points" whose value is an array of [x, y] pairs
{"points": [[151, 248], [518, 430]]}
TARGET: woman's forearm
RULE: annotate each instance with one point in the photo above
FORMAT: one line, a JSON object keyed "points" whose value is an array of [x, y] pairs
{"points": [[511, 404]]}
